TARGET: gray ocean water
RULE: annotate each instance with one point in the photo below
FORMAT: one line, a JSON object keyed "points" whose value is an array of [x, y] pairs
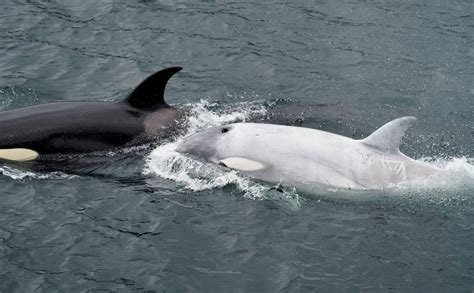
{"points": [[142, 219]]}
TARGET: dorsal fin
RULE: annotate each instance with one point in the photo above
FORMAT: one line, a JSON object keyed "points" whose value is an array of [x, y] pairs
{"points": [[149, 95], [388, 137]]}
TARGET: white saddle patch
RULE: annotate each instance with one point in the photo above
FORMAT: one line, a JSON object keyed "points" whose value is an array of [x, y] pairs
{"points": [[242, 164], [18, 154]]}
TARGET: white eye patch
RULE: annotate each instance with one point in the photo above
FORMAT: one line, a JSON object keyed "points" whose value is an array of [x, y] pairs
{"points": [[19, 154], [242, 164]]}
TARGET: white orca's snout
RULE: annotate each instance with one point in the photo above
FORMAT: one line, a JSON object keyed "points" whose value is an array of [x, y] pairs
{"points": [[183, 148], [207, 144], [198, 145], [190, 143]]}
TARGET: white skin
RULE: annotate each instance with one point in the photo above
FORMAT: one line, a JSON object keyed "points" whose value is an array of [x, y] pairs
{"points": [[306, 158]]}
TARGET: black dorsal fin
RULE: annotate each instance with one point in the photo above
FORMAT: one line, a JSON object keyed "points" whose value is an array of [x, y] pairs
{"points": [[149, 95]]}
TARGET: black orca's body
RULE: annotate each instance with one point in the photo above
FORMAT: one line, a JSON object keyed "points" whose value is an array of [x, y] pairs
{"points": [[79, 127]]}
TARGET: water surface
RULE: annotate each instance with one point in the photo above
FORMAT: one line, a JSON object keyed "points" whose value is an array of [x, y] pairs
{"points": [[143, 219]]}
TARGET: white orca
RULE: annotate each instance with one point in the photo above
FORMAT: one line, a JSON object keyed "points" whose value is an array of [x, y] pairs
{"points": [[308, 158]]}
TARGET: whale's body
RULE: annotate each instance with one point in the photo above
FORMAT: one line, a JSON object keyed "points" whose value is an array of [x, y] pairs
{"points": [[78, 127], [308, 158]]}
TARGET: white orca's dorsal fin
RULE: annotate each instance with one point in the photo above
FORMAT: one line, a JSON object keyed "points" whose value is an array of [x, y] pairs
{"points": [[388, 137], [149, 95]]}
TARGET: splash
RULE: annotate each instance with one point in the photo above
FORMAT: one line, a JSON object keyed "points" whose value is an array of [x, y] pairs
{"points": [[203, 114], [17, 174], [454, 183], [165, 162], [453, 186], [456, 174]]}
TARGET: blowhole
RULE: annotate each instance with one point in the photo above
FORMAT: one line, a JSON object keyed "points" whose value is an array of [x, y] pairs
{"points": [[224, 130]]}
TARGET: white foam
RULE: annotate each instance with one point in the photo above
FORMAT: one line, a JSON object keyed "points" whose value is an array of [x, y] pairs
{"points": [[456, 174], [18, 174], [165, 162]]}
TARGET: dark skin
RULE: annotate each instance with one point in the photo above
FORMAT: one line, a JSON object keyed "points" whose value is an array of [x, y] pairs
{"points": [[79, 127]]}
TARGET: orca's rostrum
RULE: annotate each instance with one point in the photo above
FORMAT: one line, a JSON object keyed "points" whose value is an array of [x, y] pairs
{"points": [[79, 127]]}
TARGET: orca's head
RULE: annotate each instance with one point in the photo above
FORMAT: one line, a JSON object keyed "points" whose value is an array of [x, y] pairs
{"points": [[211, 144], [236, 146]]}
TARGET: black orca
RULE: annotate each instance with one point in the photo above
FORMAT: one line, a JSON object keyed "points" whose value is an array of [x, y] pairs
{"points": [[80, 127]]}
